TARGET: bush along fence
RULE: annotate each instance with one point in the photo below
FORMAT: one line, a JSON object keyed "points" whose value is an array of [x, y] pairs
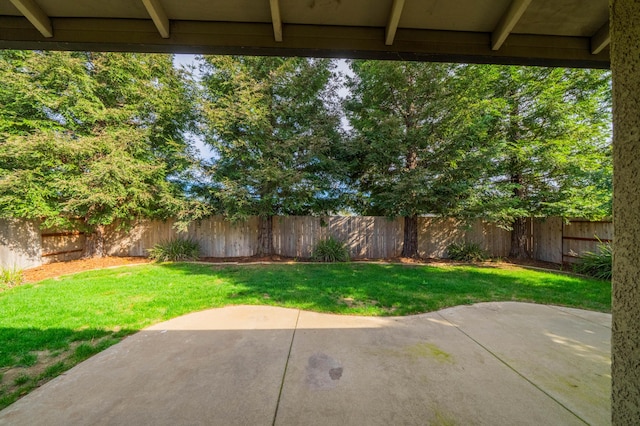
{"points": [[23, 244]]}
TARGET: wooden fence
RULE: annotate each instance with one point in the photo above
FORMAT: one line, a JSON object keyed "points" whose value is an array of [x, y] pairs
{"points": [[296, 236], [22, 244], [563, 241]]}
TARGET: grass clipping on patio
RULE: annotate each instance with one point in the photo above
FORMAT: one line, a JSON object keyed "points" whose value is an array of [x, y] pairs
{"points": [[50, 326]]}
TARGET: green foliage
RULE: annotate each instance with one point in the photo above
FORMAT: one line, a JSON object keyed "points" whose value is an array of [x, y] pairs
{"points": [[21, 380], [175, 250], [99, 137], [89, 139], [10, 277], [597, 264], [88, 349], [500, 142], [273, 123], [27, 360], [466, 252], [547, 132], [54, 370], [551, 128], [330, 250], [408, 154]]}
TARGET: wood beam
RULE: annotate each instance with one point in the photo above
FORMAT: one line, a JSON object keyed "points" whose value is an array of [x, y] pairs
{"points": [[158, 15], [600, 39], [35, 15], [508, 21], [277, 21], [394, 18], [234, 38]]}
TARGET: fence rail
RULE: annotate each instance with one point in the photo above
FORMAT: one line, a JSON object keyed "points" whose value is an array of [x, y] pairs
{"points": [[555, 240]]}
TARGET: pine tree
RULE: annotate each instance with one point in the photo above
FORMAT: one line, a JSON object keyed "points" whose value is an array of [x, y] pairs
{"points": [[409, 154], [273, 124], [92, 139]]}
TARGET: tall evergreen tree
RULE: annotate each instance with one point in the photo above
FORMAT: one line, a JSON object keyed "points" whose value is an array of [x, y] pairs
{"points": [[273, 124], [550, 133], [409, 154], [89, 139]]}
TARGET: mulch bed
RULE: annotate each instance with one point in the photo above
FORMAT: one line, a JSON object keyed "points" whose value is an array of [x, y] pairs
{"points": [[52, 270]]}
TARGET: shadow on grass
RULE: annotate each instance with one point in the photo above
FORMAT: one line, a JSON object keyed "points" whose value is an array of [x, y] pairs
{"points": [[30, 357], [21, 347], [373, 289]]}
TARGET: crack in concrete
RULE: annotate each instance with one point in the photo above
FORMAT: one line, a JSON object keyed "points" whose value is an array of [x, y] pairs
{"points": [[284, 373], [513, 369]]}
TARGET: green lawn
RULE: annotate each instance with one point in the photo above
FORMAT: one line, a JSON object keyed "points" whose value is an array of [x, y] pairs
{"points": [[47, 327]]}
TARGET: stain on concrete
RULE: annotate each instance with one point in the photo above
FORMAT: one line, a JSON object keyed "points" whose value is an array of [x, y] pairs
{"points": [[335, 373], [416, 352], [442, 419], [429, 350], [323, 372], [592, 393]]}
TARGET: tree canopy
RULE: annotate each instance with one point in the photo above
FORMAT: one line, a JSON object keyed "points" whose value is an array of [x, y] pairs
{"points": [[89, 139], [549, 132], [499, 142], [410, 152]]}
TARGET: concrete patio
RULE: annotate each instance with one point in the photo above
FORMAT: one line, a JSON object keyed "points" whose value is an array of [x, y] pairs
{"points": [[490, 363]]}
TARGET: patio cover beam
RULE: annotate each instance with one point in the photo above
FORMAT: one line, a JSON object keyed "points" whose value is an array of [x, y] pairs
{"points": [[158, 16], [140, 35], [276, 20], [35, 15], [508, 21], [394, 19], [601, 39]]}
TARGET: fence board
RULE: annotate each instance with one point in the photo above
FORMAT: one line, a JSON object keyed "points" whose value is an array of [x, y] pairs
{"points": [[579, 236], [436, 234], [547, 239], [20, 244], [366, 237]]}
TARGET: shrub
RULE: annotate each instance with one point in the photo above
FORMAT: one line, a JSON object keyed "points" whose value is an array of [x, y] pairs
{"points": [[10, 277], [175, 250], [466, 252], [597, 264], [330, 250]]}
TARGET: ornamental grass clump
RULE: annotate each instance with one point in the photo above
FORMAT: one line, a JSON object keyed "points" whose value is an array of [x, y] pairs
{"points": [[466, 252], [330, 250], [175, 250], [597, 264], [10, 277]]}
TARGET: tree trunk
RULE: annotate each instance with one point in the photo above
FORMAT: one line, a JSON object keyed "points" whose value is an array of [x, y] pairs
{"points": [[265, 236], [519, 239], [410, 242], [410, 245], [94, 243], [519, 231]]}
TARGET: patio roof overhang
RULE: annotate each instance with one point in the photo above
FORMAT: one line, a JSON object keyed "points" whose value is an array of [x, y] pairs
{"points": [[530, 32]]}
